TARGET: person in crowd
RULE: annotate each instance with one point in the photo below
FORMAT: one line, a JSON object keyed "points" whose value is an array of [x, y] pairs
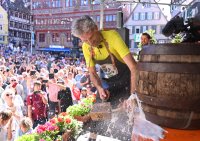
{"points": [[5, 125], [14, 84], [1, 89], [9, 97], [85, 79], [24, 84], [83, 93], [145, 39], [78, 77], [108, 49], [37, 103], [90, 91], [64, 96], [26, 126], [53, 90]]}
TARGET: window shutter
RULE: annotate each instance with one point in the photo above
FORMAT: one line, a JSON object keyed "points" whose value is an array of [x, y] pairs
{"points": [[139, 16], [159, 15], [133, 29], [146, 16]]}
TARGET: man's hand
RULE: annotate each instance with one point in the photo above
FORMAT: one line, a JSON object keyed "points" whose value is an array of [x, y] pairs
{"points": [[104, 94]]}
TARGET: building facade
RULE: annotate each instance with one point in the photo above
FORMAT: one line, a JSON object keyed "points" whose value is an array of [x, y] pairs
{"points": [[3, 26], [143, 17], [19, 22], [52, 19]]}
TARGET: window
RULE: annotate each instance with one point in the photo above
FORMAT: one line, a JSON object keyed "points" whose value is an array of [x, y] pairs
{"points": [[154, 28], [161, 41], [137, 29], [149, 16], [68, 37], [20, 25], [114, 17], [41, 37], [109, 18], [1, 38], [20, 15], [98, 18], [69, 3], [84, 2], [136, 16], [144, 28], [156, 15], [1, 27], [47, 4], [142, 16], [147, 5], [55, 37]]}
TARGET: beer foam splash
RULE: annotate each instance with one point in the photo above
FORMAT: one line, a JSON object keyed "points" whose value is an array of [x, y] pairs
{"points": [[142, 128]]}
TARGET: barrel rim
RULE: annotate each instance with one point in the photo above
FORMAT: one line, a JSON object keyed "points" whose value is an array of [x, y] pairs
{"points": [[171, 49]]}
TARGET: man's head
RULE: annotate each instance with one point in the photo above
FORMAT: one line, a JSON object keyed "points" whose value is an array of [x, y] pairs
{"points": [[86, 29], [84, 91], [37, 86], [145, 39]]}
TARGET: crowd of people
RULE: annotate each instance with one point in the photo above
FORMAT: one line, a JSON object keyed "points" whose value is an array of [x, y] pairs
{"points": [[37, 87]]}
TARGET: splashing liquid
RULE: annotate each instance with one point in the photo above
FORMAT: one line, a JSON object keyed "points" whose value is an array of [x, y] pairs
{"points": [[142, 128]]}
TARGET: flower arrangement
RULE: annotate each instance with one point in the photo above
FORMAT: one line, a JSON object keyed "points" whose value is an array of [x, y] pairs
{"points": [[54, 128], [64, 125], [47, 132], [83, 108]]}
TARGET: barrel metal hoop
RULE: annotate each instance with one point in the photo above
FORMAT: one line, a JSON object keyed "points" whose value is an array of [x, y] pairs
{"points": [[190, 68], [172, 102], [171, 50]]}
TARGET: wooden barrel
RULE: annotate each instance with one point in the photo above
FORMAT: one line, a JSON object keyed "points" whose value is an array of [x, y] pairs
{"points": [[168, 84]]}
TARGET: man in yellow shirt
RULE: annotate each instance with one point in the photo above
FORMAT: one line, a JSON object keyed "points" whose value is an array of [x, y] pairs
{"points": [[107, 49]]}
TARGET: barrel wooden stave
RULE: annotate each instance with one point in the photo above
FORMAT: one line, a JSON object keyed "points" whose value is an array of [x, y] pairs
{"points": [[168, 84]]}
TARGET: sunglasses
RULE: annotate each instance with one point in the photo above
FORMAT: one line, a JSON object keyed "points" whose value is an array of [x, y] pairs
{"points": [[8, 94], [13, 80]]}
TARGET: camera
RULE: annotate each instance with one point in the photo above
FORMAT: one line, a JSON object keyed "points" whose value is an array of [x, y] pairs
{"points": [[190, 28]]}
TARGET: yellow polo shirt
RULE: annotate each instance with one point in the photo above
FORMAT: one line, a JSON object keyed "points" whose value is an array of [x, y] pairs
{"points": [[116, 46]]}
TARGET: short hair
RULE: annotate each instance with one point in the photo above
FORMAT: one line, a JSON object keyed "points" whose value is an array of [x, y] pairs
{"points": [[26, 122], [5, 114], [82, 25], [147, 35]]}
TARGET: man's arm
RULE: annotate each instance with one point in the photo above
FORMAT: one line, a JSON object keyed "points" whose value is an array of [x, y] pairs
{"points": [[130, 62], [30, 111], [43, 95], [97, 82]]}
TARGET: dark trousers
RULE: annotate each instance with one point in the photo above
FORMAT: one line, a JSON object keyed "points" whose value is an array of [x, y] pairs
{"points": [[53, 109], [39, 121]]}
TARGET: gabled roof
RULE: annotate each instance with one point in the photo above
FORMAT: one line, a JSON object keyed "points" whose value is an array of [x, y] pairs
{"points": [[141, 3]]}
